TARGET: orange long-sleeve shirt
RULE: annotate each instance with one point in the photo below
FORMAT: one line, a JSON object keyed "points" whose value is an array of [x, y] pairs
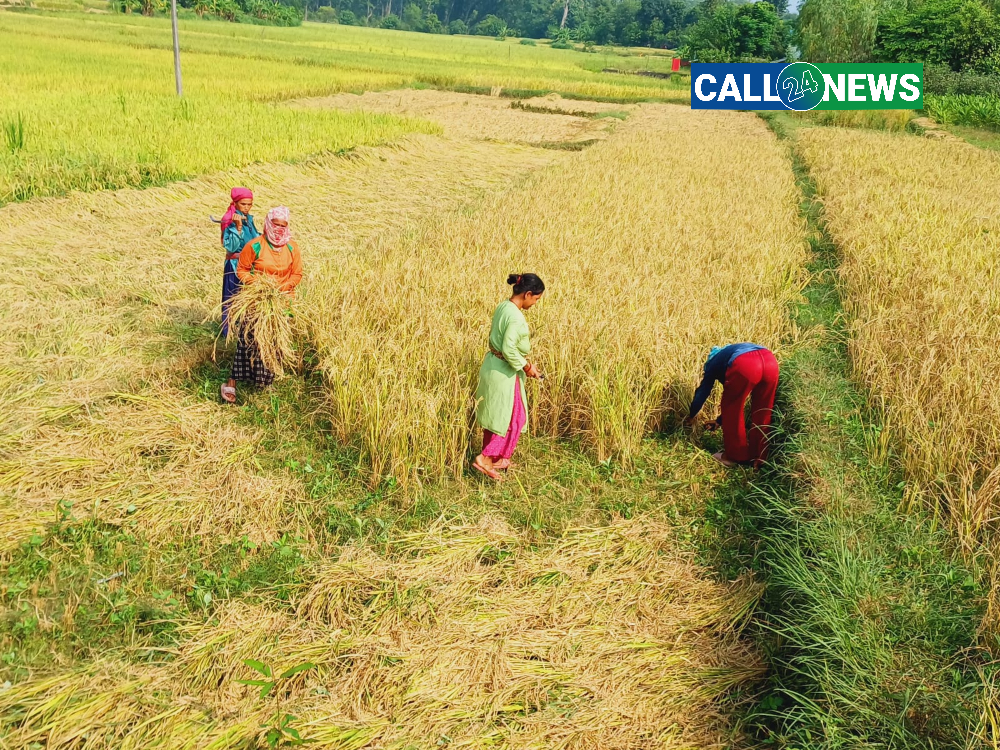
{"points": [[284, 264]]}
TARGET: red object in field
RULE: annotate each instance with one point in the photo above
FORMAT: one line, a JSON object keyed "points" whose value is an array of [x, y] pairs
{"points": [[675, 64]]}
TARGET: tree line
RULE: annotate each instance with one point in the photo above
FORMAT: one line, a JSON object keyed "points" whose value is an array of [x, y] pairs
{"points": [[959, 40], [743, 29]]}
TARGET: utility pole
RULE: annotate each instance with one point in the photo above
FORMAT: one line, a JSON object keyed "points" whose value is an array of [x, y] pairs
{"points": [[177, 49]]}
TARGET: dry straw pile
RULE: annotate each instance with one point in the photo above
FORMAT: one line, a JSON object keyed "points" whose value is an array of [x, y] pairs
{"points": [[678, 233], [918, 224], [608, 638]]}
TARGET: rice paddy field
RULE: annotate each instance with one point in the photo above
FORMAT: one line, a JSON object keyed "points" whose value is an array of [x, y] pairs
{"points": [[89, 105], [317, 565]]}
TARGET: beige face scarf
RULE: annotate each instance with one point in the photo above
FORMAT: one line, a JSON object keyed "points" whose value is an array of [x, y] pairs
{"points": [[277, 236]]}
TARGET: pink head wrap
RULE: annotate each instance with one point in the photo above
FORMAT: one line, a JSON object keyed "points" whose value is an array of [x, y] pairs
{"points": [[236, 194], [277, 236]]}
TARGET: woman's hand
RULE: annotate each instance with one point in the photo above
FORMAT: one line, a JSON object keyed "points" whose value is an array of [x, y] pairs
{"points": [[688, 421], [531, 371], [711, 426], [238, 221]]}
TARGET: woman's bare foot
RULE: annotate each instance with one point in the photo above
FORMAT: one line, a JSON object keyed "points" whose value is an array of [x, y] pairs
{"points": [[723, 459], [485, 465], [228, 391], [503, 464]]}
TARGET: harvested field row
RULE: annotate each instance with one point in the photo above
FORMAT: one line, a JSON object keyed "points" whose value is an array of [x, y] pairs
{"points": [[491, 118], [92, 312], [917, 221], [608, 638]]}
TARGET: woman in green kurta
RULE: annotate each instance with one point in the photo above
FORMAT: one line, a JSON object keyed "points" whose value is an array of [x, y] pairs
{"points": [[501, 403]]}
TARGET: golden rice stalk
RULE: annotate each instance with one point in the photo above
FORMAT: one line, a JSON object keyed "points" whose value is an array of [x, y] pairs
{"points": [[917, 222], [261, 312]]}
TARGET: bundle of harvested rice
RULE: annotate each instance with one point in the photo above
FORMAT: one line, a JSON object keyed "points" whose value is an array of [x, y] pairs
{"points": [[261, 313]]}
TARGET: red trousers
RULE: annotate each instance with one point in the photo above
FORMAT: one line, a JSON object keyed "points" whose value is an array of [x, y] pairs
{"points": [[754, 374]]}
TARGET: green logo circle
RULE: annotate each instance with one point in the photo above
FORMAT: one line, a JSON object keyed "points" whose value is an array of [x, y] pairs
{"points": [[801, 86]]}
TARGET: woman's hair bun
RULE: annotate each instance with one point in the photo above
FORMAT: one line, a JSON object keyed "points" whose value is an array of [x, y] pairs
{"points": [[526, 282]]}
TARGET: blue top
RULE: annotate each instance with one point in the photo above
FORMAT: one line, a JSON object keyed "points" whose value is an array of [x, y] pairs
{"points": [[234, 240], [715, 370]]}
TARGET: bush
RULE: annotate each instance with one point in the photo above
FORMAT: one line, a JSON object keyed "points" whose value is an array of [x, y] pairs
{"points": [[491, 26], [347, 18], [391, 21], [560, 44], [961, 109], [432, 24], [458, 27], [528, 42], [941, 80], [326, 14]]}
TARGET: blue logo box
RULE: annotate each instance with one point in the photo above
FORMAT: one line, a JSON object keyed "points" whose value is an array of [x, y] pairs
{"points": [[755, 85]]}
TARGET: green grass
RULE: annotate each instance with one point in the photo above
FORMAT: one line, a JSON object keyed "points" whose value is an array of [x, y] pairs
{"points": [[988, 139], [869, 619]]}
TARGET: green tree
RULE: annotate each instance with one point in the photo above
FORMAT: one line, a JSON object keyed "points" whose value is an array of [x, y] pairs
{"points": [[962, 34], [326, 14], [841, 30], [432, 24], [491, 26], [726, 32], [413, 17]]}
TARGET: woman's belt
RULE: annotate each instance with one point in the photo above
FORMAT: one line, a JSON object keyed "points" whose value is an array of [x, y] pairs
{"points": [[233, 256], [497, 354]]}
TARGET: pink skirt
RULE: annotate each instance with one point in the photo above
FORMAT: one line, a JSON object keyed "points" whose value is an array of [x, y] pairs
{"points": [[502, 446]]}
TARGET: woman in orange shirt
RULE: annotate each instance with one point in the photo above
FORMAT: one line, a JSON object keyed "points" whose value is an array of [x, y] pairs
{"points": [[276, 255]]}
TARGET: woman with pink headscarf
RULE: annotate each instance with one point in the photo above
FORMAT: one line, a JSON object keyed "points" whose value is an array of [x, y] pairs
{"points": [[277, 256], [237, 230]]}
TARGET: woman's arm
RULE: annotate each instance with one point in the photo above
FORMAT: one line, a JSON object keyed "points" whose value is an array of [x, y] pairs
{"points": [[232, 240], [296, 275], [701, 395], [510, 351]]}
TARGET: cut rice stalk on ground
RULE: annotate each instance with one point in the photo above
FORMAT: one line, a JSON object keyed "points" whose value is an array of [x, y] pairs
{"points": [[607, 638]]}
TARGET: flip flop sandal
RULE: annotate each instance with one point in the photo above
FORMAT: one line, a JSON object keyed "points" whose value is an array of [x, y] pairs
{"points": [[727, 462], [488, 472], [503, 464], [228, 394]]}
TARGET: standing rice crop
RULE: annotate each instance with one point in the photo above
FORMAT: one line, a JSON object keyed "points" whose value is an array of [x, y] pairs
{"points": [[678, 233], [101, 86], [918, 222]]}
